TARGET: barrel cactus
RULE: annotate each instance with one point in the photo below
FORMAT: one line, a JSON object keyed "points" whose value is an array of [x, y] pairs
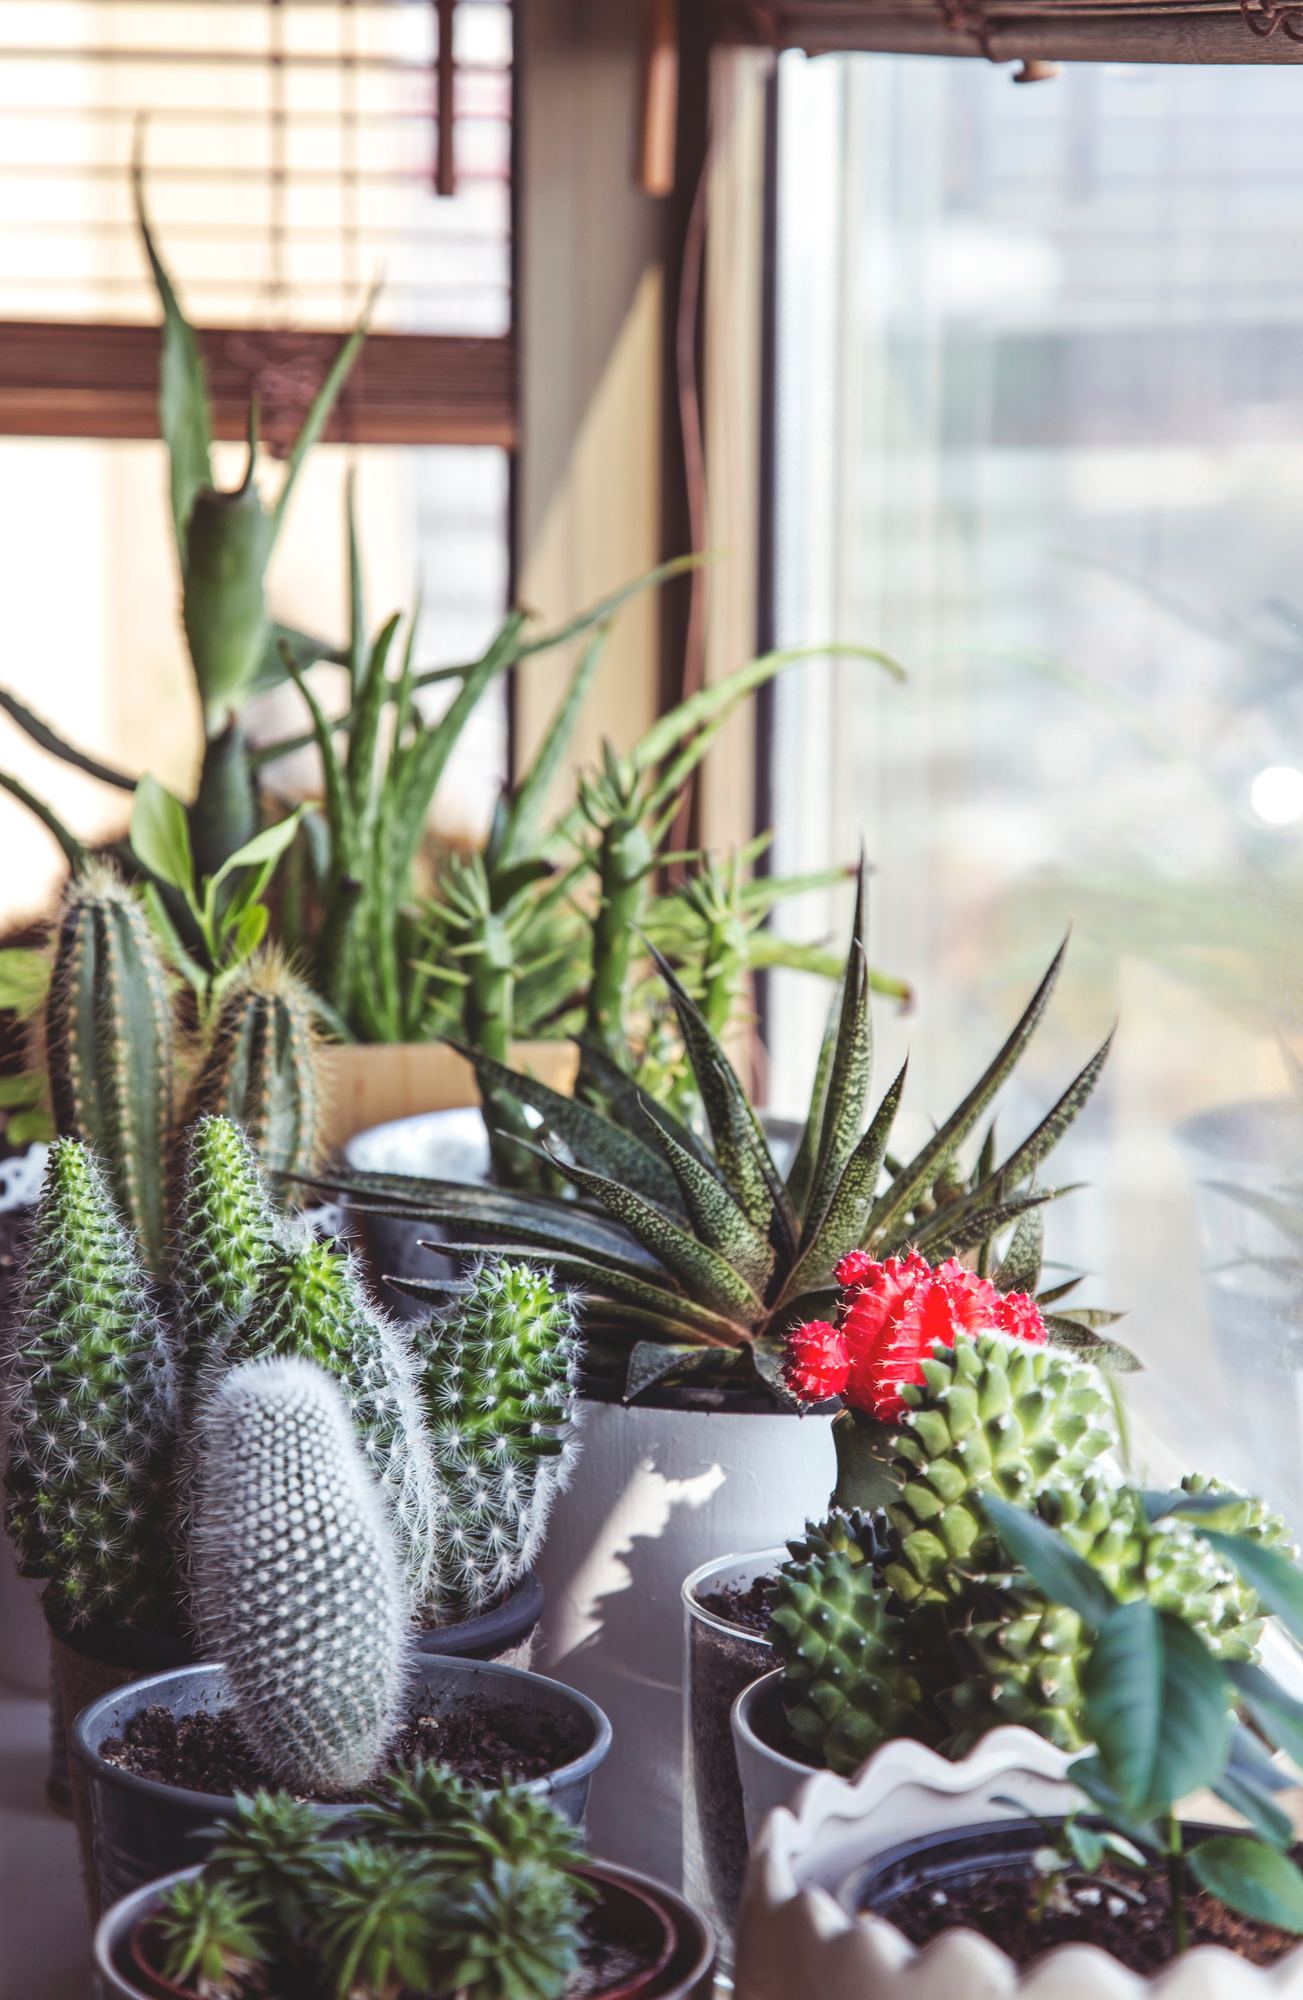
{"points": [[89, 1407], [499, 1382], [310, 1303], [108, 1046], [260, 1069], [315, 1647]]}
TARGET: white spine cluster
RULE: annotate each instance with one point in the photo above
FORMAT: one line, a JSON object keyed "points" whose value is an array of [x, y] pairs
{"points": [[298, 1588]]}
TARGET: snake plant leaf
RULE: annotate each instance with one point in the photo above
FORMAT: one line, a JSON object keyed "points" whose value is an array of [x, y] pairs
{"points": [[75, 853], [423, 765], [357, 648], [707, 1275], [842, 1227], [368, 708], [524, 815], [184, 413], [740, 1145], [591, 1137], [50, 741], [339, 806], [1020, 1268], [920, 1173], [715, 1215]]}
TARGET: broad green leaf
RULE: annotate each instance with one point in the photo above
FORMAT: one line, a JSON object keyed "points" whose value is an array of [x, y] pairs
{"points": [[1206, 1508], [843, 1226], [250, 930], [1156, 1707], [918, 1176], [1052, 1563], [706, 1275], [260, 856], [67, 753], [1276, 1578], [24, 980], [184, 414], [160, 836], [1252, 1878], [1250, 1783]]}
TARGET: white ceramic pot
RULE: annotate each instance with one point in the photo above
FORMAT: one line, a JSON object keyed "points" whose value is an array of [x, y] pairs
{"points": [[795, 1937], [656, 1493], [800, 1932]]}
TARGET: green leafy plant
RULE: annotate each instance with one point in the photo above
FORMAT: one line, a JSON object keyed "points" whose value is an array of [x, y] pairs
{"points": [[1161, 1715], [438, 1889], [698, 1258]]}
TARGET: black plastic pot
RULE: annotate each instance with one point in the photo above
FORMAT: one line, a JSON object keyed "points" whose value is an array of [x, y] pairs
{"points": [[121, 1966], [503, 1633], [142, 1829]]}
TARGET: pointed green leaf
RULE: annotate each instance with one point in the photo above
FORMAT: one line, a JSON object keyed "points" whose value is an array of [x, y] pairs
{"points": [[524, 819], [652, 1361], [957, 1228], [843, 1226], [160, 835], [801, 1173], [368, 709], [321, 406], [627, 1102], [1020, 1268], [706, 1274], [716, 1217], [852, 1068], [49, 740], [919, 1175], [184, 415], [654, 1304], [1090, 1346]]}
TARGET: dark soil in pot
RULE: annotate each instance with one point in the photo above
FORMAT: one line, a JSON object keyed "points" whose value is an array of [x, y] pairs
{"points": [[984, 1879], [204, 1752]]}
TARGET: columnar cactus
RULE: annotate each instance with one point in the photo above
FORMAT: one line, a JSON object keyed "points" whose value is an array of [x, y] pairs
{"points": [[500, 1388], [310, 1302], [226, 1226], [298, 1589], [89, 1407], [108, 1045], [261, 1069]]}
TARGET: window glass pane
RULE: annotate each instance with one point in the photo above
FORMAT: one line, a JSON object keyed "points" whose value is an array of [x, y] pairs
{"points": [[1038, 433], [93, 634]]}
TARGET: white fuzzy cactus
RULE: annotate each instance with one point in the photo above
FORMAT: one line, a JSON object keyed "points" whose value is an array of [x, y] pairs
{"points": [[298, 1587]]}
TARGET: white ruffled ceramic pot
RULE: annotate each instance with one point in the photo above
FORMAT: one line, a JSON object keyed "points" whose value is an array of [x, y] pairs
{"points": [[801, 1931]]}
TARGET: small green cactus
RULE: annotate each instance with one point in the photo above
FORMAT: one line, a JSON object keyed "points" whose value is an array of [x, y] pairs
{"points": [[108, 1045], [260, 1069], [992, 1413], [298, 1589], [499, 1381], [310, 1303], [209, 1935], [226, 1228], [89, 1406]]}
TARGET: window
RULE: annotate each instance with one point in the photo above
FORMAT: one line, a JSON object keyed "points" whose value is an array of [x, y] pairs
{"points": [[295, 151], [1037, 432]]}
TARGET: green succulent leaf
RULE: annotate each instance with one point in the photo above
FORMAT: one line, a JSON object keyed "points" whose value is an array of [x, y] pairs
{"points": [[1020, 1268], [852, 1067], [844, 1224], [715, 1216], [706, 1274]]}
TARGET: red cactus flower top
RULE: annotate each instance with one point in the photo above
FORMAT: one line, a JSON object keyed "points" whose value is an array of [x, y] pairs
{"points": [[892, 1316]]}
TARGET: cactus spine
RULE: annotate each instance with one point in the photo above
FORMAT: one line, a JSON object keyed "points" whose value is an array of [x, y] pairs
{"points": [[108, 1035], [225, 1229], [89, 1407], [298, 1588], [261, 1066], [500, 1388], [310, 1302]]}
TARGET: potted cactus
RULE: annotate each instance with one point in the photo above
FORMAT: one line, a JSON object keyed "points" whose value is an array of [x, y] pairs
{"points": [[437, 1892], [1131, 1639], [303, 1570], [696, 1256]]}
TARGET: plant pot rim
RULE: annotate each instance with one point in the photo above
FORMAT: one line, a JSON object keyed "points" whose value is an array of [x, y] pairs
{"points": [[510, 1619], [115, 1642], [705, 1571], [742, 1717], [578, 1768], [1166, 1978], [683, 1920]]}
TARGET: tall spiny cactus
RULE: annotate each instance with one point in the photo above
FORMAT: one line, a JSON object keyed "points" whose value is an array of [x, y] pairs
{"points": [[314, 1646], [226, 1226], [89, 1407], [310, 1302], [260, 1069], [108, 1044], [500, 1387]]}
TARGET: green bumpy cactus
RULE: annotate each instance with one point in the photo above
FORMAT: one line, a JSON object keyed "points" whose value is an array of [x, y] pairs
{"points": [[108, 1046], [226, 1228], [991, 1414], [298, 1589], [89, 1408], [261, 1067], [499, 1382], [310, 1302]]}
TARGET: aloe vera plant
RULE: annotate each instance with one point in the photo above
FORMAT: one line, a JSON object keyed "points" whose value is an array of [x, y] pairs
{"points": [[697, 1258]]}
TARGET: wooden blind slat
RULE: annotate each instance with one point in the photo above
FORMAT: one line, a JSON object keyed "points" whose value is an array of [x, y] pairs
{"points": [[1148, 31]]}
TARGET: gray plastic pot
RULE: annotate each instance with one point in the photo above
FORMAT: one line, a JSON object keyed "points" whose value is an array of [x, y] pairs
{"points": [[503, 1633], [141, 1829], [690, 1974]]}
